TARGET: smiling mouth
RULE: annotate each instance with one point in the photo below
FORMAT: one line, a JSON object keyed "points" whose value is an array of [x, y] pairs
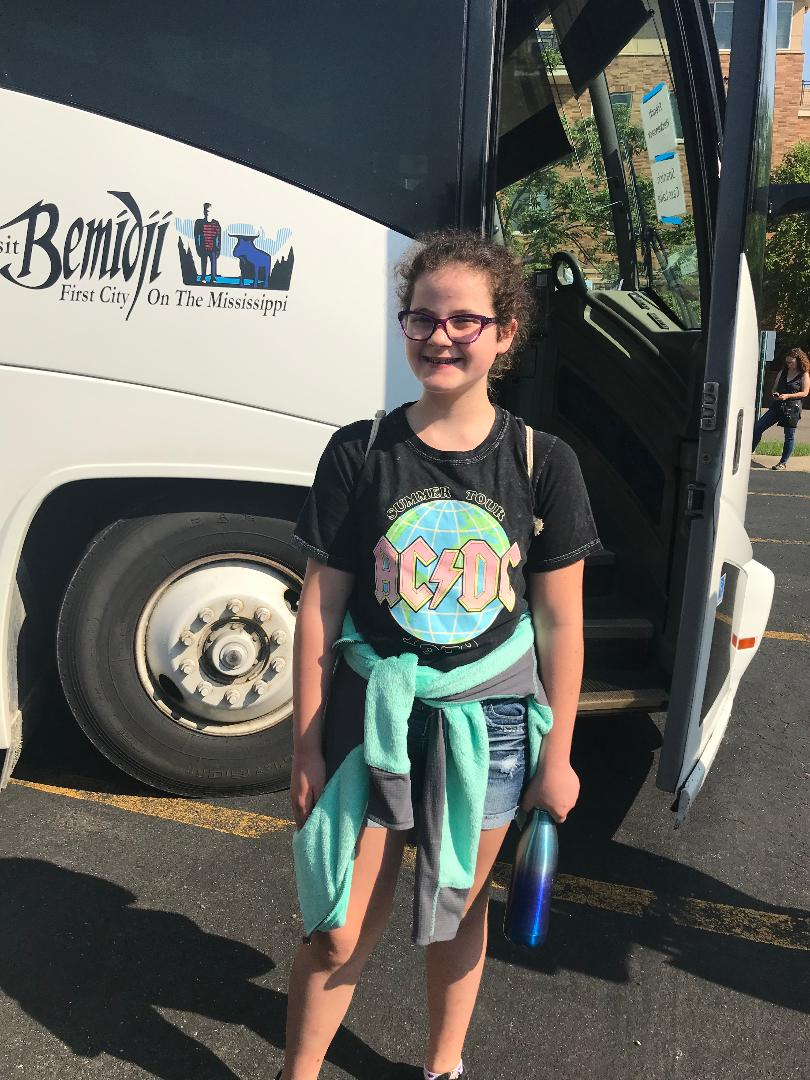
{"points": [[436, 362]]}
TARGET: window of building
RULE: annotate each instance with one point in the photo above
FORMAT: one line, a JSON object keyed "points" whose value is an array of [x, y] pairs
{"points": [[548, 38], [351, 104], [784, 17], [723, 15], [622, 99]]}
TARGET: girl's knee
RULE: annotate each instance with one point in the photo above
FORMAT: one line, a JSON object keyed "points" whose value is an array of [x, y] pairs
{"points": [[335, 949], [346, 949]]}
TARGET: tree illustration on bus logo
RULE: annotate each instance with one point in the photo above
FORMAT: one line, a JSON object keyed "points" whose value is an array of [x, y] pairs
{"points": [[237, 256]]}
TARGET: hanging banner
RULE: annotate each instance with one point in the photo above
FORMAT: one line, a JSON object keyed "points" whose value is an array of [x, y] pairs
{"points": [[658, 122], [667, 178]]}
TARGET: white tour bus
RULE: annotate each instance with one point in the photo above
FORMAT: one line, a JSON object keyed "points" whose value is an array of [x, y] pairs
{"points": [[201, 207]]}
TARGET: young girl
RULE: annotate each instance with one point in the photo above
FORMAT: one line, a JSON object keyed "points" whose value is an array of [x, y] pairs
{"points": [[793, 385], [431, 536]]}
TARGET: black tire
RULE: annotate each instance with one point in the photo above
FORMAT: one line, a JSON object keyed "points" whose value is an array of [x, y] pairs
{"points": [[122, 568]]}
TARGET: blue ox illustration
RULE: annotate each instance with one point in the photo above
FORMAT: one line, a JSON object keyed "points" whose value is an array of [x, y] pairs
{"points": [[253, 262]]}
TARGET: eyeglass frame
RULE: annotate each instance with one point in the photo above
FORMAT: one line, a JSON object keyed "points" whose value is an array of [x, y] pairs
{"points": [[483, 320]]}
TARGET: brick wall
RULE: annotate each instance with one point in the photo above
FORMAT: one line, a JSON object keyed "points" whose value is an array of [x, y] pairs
{"points": [[789, 125]]}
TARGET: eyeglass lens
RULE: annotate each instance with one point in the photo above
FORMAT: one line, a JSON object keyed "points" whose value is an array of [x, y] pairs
{"points": [[460, 328]]}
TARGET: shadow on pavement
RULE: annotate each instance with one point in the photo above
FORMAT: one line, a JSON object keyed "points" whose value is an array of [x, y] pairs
{"points": [[94, 970], [613, 757]]}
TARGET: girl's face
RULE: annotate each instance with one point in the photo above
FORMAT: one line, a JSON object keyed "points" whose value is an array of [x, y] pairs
{"points": [[791, 362], [448, 367]]}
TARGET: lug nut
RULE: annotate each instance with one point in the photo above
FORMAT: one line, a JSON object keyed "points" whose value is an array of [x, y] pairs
{"points": [[262, 614], [187, 667], [278, 663], [278, 637], [260, 688], [233, 697], [186, 637], [206, 615], [235, 605], [204, 689]]}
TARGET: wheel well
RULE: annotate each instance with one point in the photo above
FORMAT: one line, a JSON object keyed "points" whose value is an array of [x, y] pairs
{"points": [[73, 514]]}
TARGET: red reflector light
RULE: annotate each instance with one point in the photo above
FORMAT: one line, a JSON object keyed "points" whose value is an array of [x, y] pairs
{"points": [[743, 642]]}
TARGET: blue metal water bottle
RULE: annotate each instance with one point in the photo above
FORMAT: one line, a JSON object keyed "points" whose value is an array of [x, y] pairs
{"points": [[529, 902]]}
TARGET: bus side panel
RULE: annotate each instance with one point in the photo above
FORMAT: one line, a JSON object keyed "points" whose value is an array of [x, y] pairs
{"points": [[126, 255], [62, 428]]}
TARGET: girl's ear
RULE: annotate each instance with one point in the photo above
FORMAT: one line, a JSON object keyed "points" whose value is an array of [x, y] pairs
{"points": [[505, 337]]}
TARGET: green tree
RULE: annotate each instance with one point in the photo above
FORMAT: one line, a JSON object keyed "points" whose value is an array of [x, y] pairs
{"points": [[786, 294], [567, 206]]}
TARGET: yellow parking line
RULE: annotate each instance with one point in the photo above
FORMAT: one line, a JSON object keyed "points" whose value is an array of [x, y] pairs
{"points": [[772, 540], [784, 635], [764, 927], [184, 811], [780, 494]]}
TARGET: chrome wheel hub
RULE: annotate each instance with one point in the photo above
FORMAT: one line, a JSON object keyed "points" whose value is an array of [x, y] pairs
{"points": [[214, 644]]}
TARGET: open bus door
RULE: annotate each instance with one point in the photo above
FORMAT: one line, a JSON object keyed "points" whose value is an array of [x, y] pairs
{"points": [[727, 594]]}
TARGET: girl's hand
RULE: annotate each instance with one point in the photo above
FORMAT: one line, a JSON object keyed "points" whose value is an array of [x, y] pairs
{"points": [[779, 397], [554, 787], [306, 784]]}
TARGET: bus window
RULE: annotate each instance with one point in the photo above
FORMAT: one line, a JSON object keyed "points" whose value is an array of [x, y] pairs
{"points": [[361, 117], [567, 203], [640, 80]]}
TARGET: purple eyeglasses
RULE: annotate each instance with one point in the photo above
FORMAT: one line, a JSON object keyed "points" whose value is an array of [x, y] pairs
{"points": [[463, 329]]}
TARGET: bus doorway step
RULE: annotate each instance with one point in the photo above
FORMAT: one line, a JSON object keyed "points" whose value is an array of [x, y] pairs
{"points": [[624, 691]]}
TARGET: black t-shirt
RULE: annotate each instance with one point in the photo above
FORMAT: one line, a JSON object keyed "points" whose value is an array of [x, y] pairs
{"points": [[439, 541]]}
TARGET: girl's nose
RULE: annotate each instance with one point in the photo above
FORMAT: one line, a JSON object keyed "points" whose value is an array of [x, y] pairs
{"points": [[445, 335]]}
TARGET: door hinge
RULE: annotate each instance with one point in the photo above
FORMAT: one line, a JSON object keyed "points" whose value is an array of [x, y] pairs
{"points": [[695, 496], [708, 408]]}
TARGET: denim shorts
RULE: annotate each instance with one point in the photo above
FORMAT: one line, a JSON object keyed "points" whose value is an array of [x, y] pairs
{"points": [[506, 726]]}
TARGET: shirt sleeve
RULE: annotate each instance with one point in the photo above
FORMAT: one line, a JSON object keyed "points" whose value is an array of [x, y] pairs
{"points": [[562, 506], [327, 527]]}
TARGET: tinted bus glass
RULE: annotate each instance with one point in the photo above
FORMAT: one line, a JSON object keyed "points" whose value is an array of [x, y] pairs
{"points": [[566, 204], [353, 99]]}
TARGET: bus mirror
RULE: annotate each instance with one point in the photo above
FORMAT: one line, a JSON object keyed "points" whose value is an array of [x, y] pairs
{"points": [[784, 199]]}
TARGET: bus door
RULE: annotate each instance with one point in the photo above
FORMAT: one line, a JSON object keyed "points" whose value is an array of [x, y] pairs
{"points": [[727, 594], [647, 255]]}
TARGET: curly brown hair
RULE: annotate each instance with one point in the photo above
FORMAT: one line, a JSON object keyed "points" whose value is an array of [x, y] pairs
{"points": [[801, 357], [511, 298]]}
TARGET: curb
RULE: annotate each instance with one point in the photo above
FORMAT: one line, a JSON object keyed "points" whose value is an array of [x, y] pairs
{"points": [[796, 464]]}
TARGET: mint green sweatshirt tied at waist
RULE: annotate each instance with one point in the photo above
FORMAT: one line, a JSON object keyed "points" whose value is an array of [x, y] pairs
{"points": [[456, 775]]}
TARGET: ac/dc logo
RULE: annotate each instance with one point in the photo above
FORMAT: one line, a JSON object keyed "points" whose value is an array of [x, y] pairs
{"points": [[484, 575]]}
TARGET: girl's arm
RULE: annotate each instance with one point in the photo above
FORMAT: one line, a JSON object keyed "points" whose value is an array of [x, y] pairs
{"points": [[324, 598], [555, 599]]}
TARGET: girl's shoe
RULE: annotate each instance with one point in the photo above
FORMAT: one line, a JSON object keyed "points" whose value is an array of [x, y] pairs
{"points": [[779, 465]]}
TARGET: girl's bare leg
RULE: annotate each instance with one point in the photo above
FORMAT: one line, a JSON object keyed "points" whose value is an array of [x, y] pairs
{"points": [[454, 967], [325, 973]]}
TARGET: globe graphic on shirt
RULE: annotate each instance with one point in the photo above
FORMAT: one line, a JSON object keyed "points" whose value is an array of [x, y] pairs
{"points": [[447, 523]]}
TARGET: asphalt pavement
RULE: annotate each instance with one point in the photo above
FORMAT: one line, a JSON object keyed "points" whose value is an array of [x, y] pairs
{"points": [[148, 936]]}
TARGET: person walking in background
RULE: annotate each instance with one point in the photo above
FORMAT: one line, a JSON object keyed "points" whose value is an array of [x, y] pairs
{"points": [[792, 386]]}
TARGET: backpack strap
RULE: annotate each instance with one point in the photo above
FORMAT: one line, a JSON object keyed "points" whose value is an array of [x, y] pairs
{"points": [[375, 427], [538, 522]]}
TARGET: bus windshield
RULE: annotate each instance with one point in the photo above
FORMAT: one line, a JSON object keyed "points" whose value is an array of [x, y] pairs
{"points": [[564, 202]]}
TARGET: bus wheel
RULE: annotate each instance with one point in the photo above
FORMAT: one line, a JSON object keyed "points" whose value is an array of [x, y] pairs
{"points": [[175, 649]]}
